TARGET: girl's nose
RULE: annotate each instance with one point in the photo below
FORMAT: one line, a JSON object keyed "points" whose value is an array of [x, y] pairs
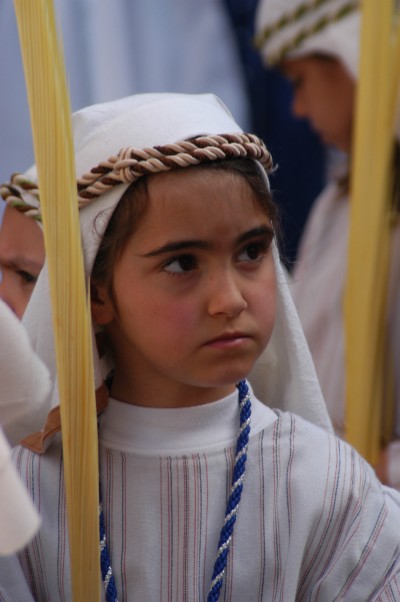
{"points": [[225, 296]]}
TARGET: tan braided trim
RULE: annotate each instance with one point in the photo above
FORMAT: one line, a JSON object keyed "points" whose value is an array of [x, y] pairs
{"points": [[287, 19], [306, 32], [13, 194], [132, 163]]}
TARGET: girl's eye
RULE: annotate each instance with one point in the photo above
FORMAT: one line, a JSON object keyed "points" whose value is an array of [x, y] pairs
{"points": [[254, 251], [27, 277], [180, 265]]}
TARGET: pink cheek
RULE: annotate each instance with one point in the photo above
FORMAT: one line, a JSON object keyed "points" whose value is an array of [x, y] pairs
{"points": [[168, 314], [174, 325], [263, 302], [179, 316]]}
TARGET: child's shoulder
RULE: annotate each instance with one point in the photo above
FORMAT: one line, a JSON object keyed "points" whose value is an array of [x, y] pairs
{"points": [[323, 474], [284, 422], [311, 454]]}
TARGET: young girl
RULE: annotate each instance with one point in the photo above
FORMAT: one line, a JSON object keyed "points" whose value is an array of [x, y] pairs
{"points": [[207, 493]]}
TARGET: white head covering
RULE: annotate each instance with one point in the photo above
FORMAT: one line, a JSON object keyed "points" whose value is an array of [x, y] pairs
{"points": [[295, 28], [285, 376]]}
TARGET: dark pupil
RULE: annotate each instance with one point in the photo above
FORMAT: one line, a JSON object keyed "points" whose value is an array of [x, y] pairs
{"points": [[253, 251], [186, 262]]}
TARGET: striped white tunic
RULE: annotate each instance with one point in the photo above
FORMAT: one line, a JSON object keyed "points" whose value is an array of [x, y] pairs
{"points": [[313, 522]]}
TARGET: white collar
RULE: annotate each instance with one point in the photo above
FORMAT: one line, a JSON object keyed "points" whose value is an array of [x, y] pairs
{"points": [[165, 431]]}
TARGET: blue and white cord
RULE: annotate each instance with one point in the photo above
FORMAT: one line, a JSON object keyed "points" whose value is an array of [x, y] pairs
{"points": [[105, 563], [236, 492]]}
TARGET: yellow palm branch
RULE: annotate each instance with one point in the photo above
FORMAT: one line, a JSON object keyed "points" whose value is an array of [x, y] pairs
{"points": [[369, 236], [50, 117]]}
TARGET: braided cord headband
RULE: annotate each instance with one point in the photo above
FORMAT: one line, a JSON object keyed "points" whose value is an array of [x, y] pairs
{"points": [[304, 33], [13, 193], [131, 164], [288, 19]]}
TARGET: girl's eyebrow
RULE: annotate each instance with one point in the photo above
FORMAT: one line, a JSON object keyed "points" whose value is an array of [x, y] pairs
{"points": [[181, 245], [265, 231]]}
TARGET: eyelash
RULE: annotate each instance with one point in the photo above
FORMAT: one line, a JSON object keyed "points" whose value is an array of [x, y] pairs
{"points": [[179, 258], [262, 246], [27, 277]]}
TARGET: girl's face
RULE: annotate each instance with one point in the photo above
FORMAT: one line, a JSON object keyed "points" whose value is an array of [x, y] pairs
{"points": [[323, 94], [194, 291]]}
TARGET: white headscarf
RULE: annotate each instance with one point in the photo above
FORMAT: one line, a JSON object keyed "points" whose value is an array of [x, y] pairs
{"points": [[284, 376], [299, 27]]}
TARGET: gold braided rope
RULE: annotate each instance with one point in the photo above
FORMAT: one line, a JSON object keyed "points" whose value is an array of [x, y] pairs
{"points": [[15, 191], [288, 19], [304, 33], [132, 163]]}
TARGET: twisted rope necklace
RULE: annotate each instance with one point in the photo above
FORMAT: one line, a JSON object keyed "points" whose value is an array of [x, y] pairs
{"points": [[225, 537]]}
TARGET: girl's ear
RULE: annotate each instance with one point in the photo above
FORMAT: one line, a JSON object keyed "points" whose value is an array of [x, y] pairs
{"points": [[103, 311]]}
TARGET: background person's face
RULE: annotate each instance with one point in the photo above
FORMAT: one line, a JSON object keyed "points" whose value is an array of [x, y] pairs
{"points": [[22, 257], [324, 95]]}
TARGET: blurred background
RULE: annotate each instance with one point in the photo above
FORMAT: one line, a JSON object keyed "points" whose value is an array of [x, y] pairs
{"points": [[122, 47]]}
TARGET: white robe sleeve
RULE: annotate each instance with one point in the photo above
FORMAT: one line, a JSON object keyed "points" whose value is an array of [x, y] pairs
{"points": [[25, 382], [19, 520], [13, 586]]}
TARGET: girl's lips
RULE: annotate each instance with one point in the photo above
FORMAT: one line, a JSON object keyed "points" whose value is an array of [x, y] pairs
{"points": [[229, 340]]}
